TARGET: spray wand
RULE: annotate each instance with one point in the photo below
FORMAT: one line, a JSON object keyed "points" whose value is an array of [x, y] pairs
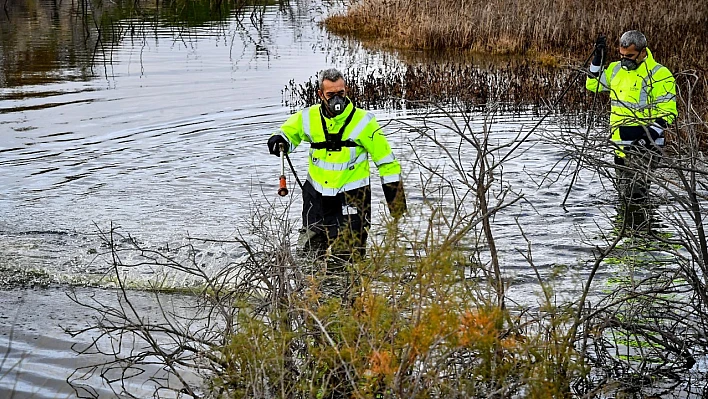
{"points": [[283, 189]]}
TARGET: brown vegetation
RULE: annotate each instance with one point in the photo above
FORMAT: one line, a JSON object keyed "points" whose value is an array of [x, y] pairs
{"points": [[515, 87], [676, 29]]}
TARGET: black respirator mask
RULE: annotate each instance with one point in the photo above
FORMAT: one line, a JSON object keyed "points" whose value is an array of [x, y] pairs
{"points": [[335, 105], [629, 64]]}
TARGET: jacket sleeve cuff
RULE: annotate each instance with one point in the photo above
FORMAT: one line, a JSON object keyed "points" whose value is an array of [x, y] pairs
{"points": [[657, 128], [595, 70], [661, 122]]}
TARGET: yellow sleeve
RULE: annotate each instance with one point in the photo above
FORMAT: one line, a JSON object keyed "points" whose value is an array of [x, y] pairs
{"points": [[292, 130], [664, 95], [378, 147]]}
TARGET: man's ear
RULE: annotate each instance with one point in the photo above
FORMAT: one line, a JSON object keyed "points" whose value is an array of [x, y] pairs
{"points": [[320, 95]]}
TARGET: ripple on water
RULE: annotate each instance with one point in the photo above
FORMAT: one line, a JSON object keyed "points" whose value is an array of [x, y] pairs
{"points": [[39, 356]]}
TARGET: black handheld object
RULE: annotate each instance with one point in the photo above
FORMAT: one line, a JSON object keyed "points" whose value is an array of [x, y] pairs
{"points": [[600, 50]]}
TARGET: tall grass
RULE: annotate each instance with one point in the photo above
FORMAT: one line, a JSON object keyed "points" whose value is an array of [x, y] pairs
{"points": [[676, 29]]}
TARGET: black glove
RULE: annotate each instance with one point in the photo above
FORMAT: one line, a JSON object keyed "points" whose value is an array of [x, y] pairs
{"points": [[600, 50], [395, 198], [274, 144]]}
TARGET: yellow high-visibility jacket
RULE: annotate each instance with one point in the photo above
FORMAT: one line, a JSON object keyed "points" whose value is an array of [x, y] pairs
{"points": [[335, 171], [638, 98]]}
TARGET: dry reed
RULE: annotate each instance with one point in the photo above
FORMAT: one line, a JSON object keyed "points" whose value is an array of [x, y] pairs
{"points": [[676, 29], [514, 87]]}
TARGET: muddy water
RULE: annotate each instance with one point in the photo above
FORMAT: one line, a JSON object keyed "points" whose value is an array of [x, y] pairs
{"points": [[159, 130]]}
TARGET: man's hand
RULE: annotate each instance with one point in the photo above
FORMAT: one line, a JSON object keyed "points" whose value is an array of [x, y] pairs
{"points": [[656, 130], [599, 55], [395, 198], [653, 138], [601, 45], [398, 209], [274, 144]]}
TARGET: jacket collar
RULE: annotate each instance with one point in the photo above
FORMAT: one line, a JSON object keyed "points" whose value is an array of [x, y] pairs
{"points": [[649, 63]]}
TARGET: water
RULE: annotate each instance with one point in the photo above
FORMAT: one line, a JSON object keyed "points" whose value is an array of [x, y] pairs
{"points": [[160, 141], [159, 129]]}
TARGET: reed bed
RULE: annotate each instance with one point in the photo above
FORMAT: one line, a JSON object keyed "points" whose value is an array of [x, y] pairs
{"points": [[516, 87], [676, 30], [513, 87]]}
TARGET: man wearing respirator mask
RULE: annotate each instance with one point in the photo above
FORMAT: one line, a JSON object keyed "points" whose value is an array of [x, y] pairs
{"points": [[643, 105], [337, 193]]}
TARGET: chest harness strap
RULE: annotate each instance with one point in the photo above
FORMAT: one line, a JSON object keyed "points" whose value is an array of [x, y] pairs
{"points": [[334, 142]]}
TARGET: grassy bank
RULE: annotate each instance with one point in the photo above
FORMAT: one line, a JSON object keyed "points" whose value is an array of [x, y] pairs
{"points": [[676, 30]]}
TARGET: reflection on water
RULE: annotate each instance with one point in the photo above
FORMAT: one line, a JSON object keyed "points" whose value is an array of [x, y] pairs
{"points": [[37, 356], [644, 249], [45, 41], [41, 42]]}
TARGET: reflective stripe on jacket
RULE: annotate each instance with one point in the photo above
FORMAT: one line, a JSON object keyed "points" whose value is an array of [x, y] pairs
{"points": [[638, 97], [333, 172]]}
